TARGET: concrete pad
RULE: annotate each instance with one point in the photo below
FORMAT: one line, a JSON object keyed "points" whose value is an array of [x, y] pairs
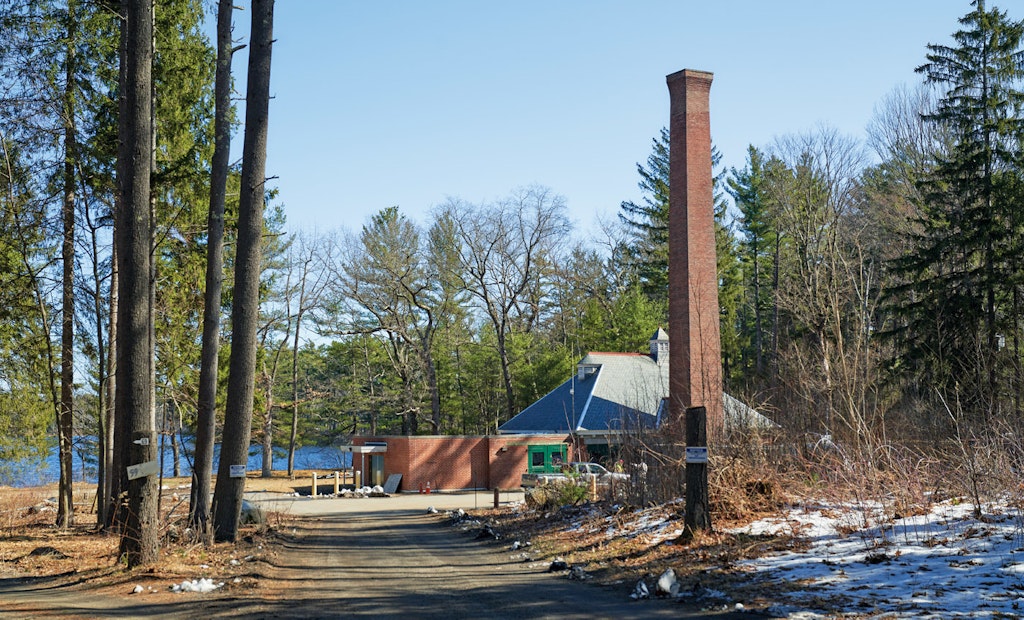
{"points": [[415, 502]]}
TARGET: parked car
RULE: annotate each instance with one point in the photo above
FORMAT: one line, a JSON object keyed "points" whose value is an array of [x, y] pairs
{"points": [[584, 471]]}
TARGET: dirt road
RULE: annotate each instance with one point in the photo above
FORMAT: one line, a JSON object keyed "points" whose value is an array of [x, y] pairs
{"points": [[385, 559]]}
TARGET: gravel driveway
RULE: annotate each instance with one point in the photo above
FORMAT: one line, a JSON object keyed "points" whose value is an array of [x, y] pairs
{"points": [[381, 558]]}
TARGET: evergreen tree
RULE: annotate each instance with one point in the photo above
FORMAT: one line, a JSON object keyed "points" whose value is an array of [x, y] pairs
{"points": [[49, 52], [647, 224], [227, 495], [139, 542], [757, 250], [648, 221], [963, 277], [26, 404], [730, 292]]}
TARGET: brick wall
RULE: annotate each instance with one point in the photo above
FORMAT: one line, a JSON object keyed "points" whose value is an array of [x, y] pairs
{"points": [[695, 358], [452, 463]]}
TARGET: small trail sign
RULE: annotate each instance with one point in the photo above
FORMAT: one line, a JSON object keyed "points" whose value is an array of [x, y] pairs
{"points": [[149, 468], [697, 455]]}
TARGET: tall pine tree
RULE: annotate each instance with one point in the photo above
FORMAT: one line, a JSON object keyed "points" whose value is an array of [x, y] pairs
{"points": [[964, 273]]}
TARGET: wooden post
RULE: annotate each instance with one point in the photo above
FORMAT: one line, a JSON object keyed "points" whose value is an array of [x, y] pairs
{"points": [[337, 483], [313, 494], [359, 478], [698, 515], [496, 502]]}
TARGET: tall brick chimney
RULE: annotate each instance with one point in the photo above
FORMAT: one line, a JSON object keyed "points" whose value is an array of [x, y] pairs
{"points": [[695, 358]]}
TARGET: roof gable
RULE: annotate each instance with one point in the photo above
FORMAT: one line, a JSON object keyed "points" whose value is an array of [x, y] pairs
{"points": [[612, 392], [623, 391]]}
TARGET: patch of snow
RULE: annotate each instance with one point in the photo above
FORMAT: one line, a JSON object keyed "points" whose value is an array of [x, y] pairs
{"points": [[941, 564], [640, 592], [196, 585], [667, 584]]}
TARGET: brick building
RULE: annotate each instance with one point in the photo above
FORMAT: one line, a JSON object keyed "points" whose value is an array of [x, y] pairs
{"points": [[611, 394], [446, 462]]}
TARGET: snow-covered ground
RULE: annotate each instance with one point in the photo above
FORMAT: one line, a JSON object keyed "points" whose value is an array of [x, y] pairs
{"points": [[862, 561]]}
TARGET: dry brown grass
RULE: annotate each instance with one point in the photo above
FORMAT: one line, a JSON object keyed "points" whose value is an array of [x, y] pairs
{"points": [[646, 542], [873, 486], [615, 542], [31, 546], [619, 544]]}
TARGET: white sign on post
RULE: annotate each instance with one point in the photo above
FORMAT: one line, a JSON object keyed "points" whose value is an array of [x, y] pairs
{"points": [[696, 455], [149, 468], [238, 471]]}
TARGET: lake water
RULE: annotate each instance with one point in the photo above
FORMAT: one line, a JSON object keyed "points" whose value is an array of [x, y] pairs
{"points": [[32, 472]]}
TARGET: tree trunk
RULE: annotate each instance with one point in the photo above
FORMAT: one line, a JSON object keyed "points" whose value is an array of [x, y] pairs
{"points": [[65, 430], [115, 480], [102, 421], [267, 460], [227, 500], [139, 542], [371, 388], [435, 392], [506, 376], [118, 487], [199, 517], [267, 469], [774, 360], [758, 344], [1015, 340], [175, 450], [293, 435]]}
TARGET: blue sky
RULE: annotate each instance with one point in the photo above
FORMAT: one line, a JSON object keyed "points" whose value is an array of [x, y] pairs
{"points": [[388, 102]]}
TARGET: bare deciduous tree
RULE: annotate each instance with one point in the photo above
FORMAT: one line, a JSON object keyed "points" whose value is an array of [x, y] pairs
{"points": [[832, 286], [309, 256], [393, 281], [505, 249]]}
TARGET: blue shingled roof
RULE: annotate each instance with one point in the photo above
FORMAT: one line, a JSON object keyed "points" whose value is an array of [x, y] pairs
{"points": [[611, 391], [615, 391], [557, 412]]}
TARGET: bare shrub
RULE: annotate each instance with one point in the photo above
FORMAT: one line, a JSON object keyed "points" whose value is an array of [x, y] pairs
{"points": [[878, 478], [739, 490], [15, 504], [984, 465], [552, 495], [655, 465]]}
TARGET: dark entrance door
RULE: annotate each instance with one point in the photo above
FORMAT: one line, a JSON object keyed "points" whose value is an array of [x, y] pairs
{"points": [[376, 469]]}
